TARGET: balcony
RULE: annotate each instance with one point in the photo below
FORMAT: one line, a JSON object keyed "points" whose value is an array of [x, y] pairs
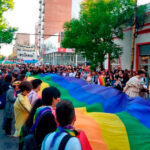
{"points": [[42, 25], [40, 8], [43, 9], [43, 28], [43, 2], [42, 20]]}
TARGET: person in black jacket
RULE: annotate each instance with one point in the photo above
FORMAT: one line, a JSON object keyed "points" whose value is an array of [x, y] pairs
{"points": [[9, 108]]}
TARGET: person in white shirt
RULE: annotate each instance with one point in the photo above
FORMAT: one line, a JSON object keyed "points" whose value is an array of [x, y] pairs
{"points": [[133, 86]]}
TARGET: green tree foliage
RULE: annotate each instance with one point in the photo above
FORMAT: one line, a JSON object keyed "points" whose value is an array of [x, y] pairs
{"points": [[92, 34], [6, 32], [6, 36], [2, 57]]}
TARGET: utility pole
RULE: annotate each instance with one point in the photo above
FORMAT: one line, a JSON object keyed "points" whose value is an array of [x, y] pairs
{"points": [[133, 36]]}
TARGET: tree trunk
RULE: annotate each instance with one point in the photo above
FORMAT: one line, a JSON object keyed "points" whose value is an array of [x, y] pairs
{"points": [[109, 63], [101, 65]]}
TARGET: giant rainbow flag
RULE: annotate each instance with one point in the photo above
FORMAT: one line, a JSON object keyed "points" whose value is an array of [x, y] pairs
{"points": [[111, 120]]}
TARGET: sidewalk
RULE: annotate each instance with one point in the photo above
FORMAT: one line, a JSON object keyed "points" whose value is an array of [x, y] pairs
{"points": [[6, 143]]}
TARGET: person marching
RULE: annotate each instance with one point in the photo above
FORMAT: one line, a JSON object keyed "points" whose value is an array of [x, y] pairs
{"points": [[9, 110], [22, 106]]}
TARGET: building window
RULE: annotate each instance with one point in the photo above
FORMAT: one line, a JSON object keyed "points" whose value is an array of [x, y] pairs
{"points": [[115, 64]]}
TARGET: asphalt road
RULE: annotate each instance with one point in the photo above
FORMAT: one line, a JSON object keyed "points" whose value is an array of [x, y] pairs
{"points": [[7, 143]]}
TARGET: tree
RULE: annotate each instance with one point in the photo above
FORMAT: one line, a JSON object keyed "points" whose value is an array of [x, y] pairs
{"points": [[6, 32], [2, 57], [92, 34], [6, 36]]}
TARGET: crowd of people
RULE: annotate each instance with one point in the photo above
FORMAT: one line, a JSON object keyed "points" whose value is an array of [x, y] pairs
{"points": [[41, 122], [117, 78], [46, 122]]}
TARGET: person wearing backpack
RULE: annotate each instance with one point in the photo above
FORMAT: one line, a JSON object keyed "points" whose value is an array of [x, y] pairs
{"points": [[64, 138]]}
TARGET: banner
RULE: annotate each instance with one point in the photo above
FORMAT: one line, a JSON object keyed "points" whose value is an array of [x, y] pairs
{"points": [[26, 53]]}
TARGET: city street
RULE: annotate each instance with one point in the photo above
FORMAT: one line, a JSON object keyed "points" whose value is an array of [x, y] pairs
{"points": [[6, 143]]}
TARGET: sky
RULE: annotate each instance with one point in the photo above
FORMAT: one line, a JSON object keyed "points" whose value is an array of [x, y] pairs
{"points": [[24, 16]]}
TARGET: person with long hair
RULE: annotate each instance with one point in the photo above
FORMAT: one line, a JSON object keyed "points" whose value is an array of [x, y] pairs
{"points": [[22, 106], [28, 124]]}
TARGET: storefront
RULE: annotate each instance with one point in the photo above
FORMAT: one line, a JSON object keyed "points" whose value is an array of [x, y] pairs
{"points": [[54, 54], [142, 47], [64, 57]]}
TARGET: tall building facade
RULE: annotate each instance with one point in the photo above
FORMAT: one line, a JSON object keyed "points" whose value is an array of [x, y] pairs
{"points": [[37, 28], [56, 13], [22, 39], [53, 15]]}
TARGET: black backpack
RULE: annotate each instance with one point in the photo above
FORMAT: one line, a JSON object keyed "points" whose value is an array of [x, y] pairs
{"points": [[64, 142]]}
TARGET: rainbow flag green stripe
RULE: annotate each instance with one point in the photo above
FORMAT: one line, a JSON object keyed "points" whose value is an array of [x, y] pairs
{"points": [[139, 135], [109, 118]]}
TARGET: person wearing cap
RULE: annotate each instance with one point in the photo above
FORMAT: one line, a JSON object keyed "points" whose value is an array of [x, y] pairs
{"points": [[9, 110]]}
